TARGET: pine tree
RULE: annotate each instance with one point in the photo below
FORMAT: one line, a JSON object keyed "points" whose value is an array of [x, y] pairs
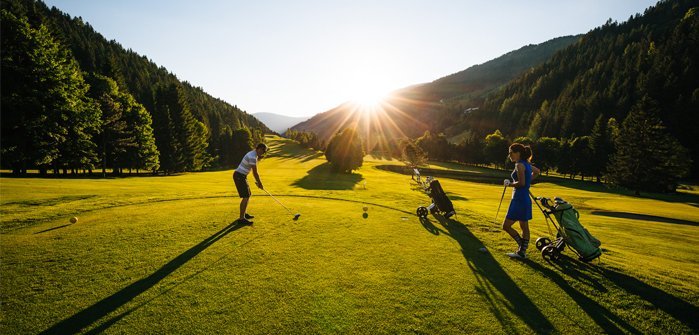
{"points": [[164, 132], [602, 147], [142, 154], [241, 144], [181, 138], [114, 139], [647, 157], [47, 120], [581, 156]]}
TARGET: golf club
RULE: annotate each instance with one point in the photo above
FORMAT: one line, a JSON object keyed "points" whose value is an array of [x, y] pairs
{"points": [[296, 216], [501, 197]]}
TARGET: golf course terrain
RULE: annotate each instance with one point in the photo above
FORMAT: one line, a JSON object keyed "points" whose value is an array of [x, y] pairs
{"points": [[163, 255]]}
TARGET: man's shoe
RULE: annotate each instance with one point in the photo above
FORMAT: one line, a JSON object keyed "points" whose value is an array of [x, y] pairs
{"points": [[245, 222], [248, 216]]}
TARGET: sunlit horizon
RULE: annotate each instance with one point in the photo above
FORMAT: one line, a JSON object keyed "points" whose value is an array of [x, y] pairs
{"points": [[305, 57]]}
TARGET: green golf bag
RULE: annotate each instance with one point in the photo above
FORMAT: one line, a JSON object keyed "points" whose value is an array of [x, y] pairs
{"points": [[570, 232], [574, 234]]}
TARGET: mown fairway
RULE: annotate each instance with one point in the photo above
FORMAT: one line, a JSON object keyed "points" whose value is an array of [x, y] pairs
{"points": [[162, 255]]}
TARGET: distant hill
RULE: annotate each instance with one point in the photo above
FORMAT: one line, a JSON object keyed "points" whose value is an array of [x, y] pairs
{"points": [[279, 123], [605, 74], [412, 110]]}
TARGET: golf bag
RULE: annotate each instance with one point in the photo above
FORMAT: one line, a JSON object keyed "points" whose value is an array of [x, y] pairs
{"points": [[569, 232], [440, 202]]}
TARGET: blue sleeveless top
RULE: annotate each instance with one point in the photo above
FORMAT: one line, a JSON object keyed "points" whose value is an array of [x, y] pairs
{"points": [[521, 205], [523, 192]]}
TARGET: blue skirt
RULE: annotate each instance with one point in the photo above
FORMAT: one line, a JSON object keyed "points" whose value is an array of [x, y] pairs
{"points": [[520, 209]]}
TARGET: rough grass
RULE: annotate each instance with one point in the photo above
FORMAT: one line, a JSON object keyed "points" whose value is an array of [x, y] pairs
{"points": [[162, 255]]}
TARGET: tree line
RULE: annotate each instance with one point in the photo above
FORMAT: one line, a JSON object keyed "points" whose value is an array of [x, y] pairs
{"points": [[307, 139], [639, 153], [73, 101]]}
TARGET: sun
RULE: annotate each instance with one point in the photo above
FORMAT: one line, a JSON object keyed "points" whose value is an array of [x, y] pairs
{"points": [[369, 101]]}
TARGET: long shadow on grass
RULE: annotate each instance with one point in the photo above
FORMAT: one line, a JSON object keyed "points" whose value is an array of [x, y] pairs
{"points": [[678, 308], [603, 317], [644, 217], [102, 308], [322, 177], [492, 279]]}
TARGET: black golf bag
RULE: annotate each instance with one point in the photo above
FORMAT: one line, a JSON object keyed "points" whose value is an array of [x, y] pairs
{"points": [[440, 202]]}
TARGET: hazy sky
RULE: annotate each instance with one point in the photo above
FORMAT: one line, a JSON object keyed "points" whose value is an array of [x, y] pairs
{"points": [[300, 58]]}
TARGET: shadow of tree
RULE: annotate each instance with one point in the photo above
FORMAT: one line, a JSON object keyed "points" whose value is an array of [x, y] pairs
{"points": [[293, 150], [322, 177], [644, 217], [102, 308], [494, 281]]}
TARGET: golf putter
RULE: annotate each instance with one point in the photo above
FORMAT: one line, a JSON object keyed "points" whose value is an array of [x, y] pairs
{"points": [[296, 216]]}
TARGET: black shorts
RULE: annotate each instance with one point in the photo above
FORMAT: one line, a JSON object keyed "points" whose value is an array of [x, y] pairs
{"points": [[241, 184]]}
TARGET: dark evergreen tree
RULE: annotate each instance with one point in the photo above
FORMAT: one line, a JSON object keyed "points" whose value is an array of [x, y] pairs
{"points": [[164, 131], [602, 147], [242, 143], [176, 124], [47, 120], [142, 154], [565, 159], [113, 138], [548, 151], [581, 156], [647, 157]]}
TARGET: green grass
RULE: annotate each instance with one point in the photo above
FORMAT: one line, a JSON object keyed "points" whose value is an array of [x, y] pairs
{"points": [[162, 255]]}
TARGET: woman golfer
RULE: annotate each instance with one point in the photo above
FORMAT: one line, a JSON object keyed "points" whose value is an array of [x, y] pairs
{"points": [[240, 177], [521, 205]]}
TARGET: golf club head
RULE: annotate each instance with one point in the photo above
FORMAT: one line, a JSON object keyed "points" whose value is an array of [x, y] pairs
{"points": [[296, 217]]}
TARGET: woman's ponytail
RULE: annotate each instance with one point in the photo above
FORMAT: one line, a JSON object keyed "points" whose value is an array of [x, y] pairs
{"points": [[528, 153], [525, 152]]}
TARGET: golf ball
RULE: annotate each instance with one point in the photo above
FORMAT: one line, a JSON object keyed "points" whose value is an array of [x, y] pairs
{"points": [[73, 219]]}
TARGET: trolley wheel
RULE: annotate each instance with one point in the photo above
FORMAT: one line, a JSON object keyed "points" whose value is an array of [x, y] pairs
{"points": [[422, 212], [541, 242], [550, 254]]}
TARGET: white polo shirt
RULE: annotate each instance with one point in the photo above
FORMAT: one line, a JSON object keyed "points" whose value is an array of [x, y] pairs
{"points": [[249, 160]]}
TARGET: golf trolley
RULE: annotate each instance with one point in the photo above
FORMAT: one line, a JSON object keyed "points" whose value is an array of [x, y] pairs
{"points": [[440, 202], [569, 232]]}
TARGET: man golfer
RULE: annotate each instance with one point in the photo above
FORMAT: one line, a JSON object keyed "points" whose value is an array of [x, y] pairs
{"points": [[240, 177]]}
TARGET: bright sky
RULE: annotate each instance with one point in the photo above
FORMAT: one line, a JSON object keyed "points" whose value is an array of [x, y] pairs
{"points": [[300, 58]]}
